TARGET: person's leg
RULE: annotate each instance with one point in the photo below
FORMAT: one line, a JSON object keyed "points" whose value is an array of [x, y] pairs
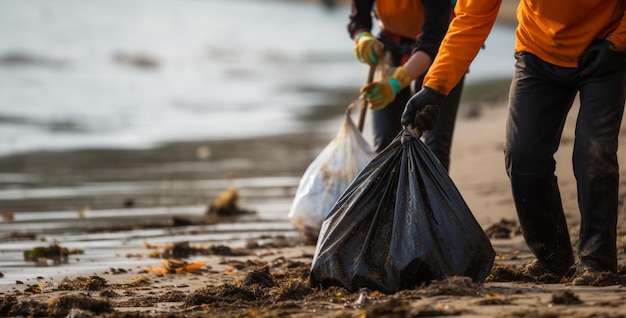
{"points": [[386, 121], [596, 167], [538, 107], [439, 139]]}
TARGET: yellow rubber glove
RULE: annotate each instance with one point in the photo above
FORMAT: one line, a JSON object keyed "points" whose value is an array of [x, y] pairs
{"points": [[367, 48], [382, 93]]}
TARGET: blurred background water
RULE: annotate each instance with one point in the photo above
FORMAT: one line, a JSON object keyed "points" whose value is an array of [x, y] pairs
{"points": [[94, 92], [135, 73]]}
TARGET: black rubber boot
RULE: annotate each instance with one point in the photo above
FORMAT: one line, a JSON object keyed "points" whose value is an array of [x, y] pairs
{"points": [[598, 203], [541, 217]]}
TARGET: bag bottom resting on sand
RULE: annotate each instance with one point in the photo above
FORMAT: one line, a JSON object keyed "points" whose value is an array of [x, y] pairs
{"points": [[401, 222]]}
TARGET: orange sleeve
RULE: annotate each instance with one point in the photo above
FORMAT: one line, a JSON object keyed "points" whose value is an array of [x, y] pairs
{"points": [[467, 32]]}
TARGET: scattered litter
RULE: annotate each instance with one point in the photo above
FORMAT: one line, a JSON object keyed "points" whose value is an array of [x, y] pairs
{"points": [[227, 204], [171, 266], [51, 255], [565, 297], [505, 229]]}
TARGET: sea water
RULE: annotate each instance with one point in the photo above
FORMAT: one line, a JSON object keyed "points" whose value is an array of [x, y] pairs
{"points": [[135, 73]]}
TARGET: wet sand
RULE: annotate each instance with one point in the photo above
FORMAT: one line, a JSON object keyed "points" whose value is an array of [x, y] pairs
{"points": [[142, 246], [255, 265]]}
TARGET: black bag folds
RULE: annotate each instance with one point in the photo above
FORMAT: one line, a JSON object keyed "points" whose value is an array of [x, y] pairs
{"points": [[400, 223]]}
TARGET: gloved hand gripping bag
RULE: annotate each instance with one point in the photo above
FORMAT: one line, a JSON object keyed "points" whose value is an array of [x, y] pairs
{"points": [[400, 223]]}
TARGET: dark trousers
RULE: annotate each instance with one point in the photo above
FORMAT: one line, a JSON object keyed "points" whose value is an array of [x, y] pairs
{"points": [[386, 121], [540, 98]]}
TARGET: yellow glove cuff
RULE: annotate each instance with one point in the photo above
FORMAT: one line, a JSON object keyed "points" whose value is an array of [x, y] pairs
{"points": [[402, 76]]}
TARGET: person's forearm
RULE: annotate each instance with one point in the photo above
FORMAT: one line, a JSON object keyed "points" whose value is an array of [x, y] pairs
{"points": [[418, 64], [360, 17]]}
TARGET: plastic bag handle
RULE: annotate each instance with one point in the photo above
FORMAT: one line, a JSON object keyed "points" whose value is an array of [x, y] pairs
{"points": [[410, 130]]}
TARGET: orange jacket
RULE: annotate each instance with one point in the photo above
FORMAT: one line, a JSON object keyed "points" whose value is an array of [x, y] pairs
{"points": [[557, 31], [423, 21], [403, 18]]}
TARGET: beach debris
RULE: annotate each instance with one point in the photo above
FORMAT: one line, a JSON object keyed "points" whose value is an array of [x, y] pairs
{"points": [[66, 305], [606, 279], [141, 281], [21, 236], [203, 152], [137, 60], [363, 300], [260, 285], [8, 217], [294, 289], [180, 250], [227, 204], [50, 255], [26, 59], [508, 273], [84, 212], [400, 308], [117, 271], [565, 297], [494, 299], [91, 283], [453, 286], [505, 273], [41, 288], [172, 266], [504, 229], [63, 306], [261, 277], [509, 255], [129, 203], [279, 241], [11, 306]]}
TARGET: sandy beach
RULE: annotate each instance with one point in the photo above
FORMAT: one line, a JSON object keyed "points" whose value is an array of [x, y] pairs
{"points": [[270, 278], [180, 263]]}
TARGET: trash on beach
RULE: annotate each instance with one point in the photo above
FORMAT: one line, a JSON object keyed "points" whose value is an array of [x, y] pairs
{"points": [[180, 250], [50, 255], [402, 222], [172, 266], [8, 217], [328, 175], [227, 204], [505, 229]]}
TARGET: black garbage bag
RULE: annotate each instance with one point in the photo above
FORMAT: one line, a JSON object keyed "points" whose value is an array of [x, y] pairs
{"points": [[400, 223]]}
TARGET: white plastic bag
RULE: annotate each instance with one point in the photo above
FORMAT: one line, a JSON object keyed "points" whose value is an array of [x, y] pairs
{"points": [[326, 178]]}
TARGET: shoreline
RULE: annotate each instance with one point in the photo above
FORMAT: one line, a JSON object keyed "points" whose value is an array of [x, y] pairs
{"points": [[230, 284]]}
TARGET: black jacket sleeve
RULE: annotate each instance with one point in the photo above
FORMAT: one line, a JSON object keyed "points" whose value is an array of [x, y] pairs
{"points": [[436, 19], [360, 16]]}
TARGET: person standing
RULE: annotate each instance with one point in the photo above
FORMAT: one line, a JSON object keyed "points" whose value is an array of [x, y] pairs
{"points": [[411, 31], [561, 50]]}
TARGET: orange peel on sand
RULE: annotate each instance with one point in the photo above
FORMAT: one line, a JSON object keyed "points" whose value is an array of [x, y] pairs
{"points": [[171, 266]]}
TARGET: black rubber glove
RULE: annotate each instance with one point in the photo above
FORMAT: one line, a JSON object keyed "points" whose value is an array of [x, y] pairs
{"points": [[599, 58], [422, 110]]}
